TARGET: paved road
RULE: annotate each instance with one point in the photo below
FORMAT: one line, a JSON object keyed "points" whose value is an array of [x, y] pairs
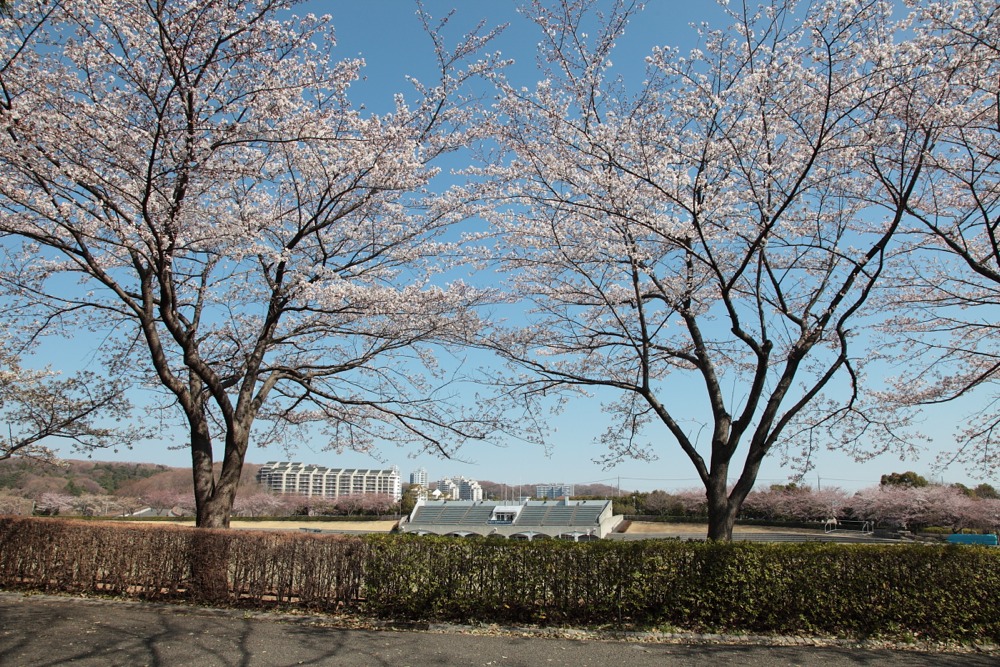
{"points": [[37, 630]]}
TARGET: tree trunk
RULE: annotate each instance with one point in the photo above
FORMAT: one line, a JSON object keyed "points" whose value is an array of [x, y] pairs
{"points": [[209, 556], [214, 497], [214, 511], [721, 512], [209, 511], [720, 525]]}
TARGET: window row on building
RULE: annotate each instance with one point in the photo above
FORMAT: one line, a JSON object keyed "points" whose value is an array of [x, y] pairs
{"points": [[313, 480], [553, 491], [458, 488]]}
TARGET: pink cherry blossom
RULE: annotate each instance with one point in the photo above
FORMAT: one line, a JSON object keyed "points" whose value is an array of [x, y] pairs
{"points": [[713, 235], [193, 180]]}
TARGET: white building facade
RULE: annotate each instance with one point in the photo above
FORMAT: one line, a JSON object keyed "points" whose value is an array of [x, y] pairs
{"points": [[419, 476], [469, 489], [459, 488], [446, 490], [552, 491], [313, 480]]}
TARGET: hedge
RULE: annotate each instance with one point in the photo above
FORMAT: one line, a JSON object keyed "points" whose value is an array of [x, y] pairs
{"points": [[846, 590], [937, 592], [163, 562]]}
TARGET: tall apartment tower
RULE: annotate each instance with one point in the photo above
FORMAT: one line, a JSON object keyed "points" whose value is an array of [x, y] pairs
{"points": [[419, 476], [469, 489]]}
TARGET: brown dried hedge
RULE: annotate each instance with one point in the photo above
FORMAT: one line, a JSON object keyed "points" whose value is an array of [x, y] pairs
{"points": [[158, 561]]}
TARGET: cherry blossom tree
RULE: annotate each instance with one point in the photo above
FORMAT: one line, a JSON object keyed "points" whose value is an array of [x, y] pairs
{"points": [[659, 502], [312, 505], [166, 499], [948, 289], [54, 503], [39, 406], [692, 502], [127, 505], [799, 504], [89, 504], [712, 235], [364, 503], [191, 180], [917, 507], [15, 505], [256, 503]]}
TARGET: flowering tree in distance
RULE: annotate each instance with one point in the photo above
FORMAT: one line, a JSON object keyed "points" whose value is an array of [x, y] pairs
{"points": [[712, 237], [246, 238]]}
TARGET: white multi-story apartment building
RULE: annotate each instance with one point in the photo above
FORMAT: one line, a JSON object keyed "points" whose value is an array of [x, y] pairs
{"points": [[419, 476], [447, 489], [313, 480], [543, 491], [459, 488], [469, 489]]}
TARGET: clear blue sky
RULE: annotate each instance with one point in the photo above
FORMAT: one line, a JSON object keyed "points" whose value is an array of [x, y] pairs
{"points": [[387, 34]]}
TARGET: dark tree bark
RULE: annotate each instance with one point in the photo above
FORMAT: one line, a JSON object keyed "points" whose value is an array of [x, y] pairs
{"points": [[721, 228]]}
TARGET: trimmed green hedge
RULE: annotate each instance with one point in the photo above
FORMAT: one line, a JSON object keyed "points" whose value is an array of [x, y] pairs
{"points": [[848, 590], [935, 592]]}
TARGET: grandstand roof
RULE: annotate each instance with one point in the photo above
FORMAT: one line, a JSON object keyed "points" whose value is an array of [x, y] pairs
{"points": [[571, 519]]}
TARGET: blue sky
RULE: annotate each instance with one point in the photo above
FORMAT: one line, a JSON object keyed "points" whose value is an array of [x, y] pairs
{"points": [[387, 34]]}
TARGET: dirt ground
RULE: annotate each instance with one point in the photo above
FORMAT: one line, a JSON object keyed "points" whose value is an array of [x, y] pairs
{"points": [[353, 526], [367, 526], [651, 527], [637, 527]]}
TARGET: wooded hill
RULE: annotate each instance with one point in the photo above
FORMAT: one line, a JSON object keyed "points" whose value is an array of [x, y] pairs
{"points": [[27, 477], [30, 478]]}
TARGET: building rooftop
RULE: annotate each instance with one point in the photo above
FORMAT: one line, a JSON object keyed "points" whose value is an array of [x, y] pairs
{"points": [[529, 519], [292, 466]]}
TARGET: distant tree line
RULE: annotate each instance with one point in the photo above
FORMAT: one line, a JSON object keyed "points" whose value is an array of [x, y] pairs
{"points": [[953, 507], [252, 503], [901, 500]]}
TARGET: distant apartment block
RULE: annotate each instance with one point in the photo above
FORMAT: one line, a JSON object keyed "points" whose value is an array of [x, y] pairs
{"points": [[458, 488], [446, 489], [419, 476], [469, 489], [545, 491], [313, 480]]}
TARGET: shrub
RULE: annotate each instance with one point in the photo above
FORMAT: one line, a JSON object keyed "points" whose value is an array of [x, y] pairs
{"points": [[149, 562], [945, 592], [939, 592]]}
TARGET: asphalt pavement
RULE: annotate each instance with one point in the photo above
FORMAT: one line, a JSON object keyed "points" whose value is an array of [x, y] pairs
{"points": [[43, 630]]}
